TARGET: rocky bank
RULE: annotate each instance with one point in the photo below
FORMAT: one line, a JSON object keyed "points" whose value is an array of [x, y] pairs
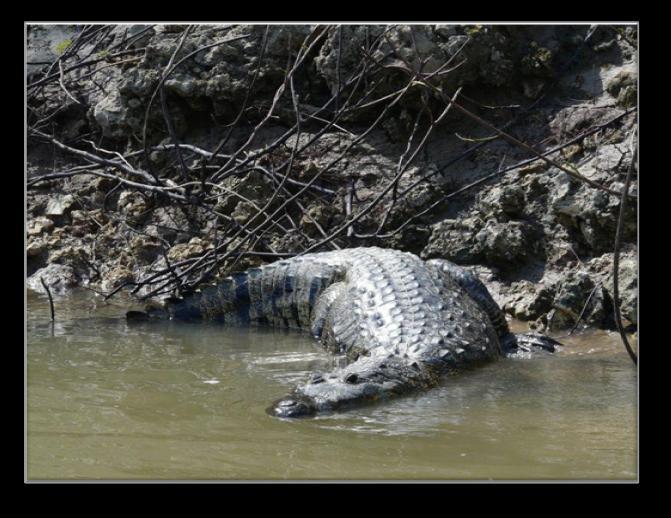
{"points": [[540, 239]]}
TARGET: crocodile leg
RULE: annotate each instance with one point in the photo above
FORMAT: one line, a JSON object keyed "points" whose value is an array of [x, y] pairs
{"points": [[474, 288], [511, 344], [321, 325]]}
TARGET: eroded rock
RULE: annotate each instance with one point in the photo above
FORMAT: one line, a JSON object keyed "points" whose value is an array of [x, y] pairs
{"points": [[60, 278], [117, 276], [578, 296], [528, 301], [454, 240], [194, 248], [502, 202], [60, 205], [39, 225], [505, 243]]}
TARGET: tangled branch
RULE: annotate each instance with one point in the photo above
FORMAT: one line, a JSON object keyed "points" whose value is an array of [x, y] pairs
{"points": [[294, 167]]}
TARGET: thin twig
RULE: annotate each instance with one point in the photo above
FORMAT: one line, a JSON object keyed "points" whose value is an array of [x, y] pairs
{"points": [[584, 308], [572, 173], [500, 172], [616, 253], [51, 300]]}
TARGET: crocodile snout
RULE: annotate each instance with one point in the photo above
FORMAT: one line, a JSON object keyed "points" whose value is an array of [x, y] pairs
{"points": [[293, 406]]}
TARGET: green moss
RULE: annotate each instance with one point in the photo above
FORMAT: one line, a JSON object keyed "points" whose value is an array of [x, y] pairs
{"points": [[628, 96], [624, 88], [472, 30], [63, 46], [538, 63]]}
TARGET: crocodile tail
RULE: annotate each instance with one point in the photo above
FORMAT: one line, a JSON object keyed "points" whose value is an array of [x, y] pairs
{"points": [[227, 302], [282, 294]]}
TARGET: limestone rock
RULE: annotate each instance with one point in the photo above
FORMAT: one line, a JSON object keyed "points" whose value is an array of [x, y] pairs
{"points": [[317, 214], [624, 87], [46, 43], [243, 212], [193, 248], [112, 114], [60, 205], [145, 249], [505, 243], [132, 204], [39, 225], [578, 293], [59, 277], [170, 224], [506, 201], [602, 268], [35, 248], [116, 276], [590, 214], [529, 301], [454, 240]]}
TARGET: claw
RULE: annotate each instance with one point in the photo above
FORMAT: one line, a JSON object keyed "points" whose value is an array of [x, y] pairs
{"points": [[529, 341]]}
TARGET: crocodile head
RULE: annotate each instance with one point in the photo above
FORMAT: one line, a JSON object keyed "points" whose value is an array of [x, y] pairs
{"points": [[364, 381], [326, 396]]}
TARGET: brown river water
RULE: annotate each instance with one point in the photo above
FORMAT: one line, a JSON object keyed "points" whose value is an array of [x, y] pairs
{"points": [[106, 400]]}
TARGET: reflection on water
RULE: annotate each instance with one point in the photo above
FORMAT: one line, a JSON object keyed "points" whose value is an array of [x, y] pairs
{"points": [[109, 400]]}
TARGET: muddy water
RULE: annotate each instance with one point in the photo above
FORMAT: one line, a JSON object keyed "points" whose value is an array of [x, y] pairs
{"points": [[109, 400]]}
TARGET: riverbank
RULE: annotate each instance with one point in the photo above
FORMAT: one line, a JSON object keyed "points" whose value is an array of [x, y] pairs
{"points": [[163, 156]]}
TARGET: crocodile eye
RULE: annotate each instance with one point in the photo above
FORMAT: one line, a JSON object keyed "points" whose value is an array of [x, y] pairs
{"points": [[351, 378]]}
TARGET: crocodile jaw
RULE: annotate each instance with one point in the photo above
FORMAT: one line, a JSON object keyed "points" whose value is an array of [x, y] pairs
{"points": [[310, 399], [293, 406]]}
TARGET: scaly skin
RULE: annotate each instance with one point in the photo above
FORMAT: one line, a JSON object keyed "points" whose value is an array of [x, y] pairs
{"points": [[402, 323]]}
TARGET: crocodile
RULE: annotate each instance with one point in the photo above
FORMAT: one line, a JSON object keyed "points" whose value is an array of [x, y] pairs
{"points": [[400, 323]]}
